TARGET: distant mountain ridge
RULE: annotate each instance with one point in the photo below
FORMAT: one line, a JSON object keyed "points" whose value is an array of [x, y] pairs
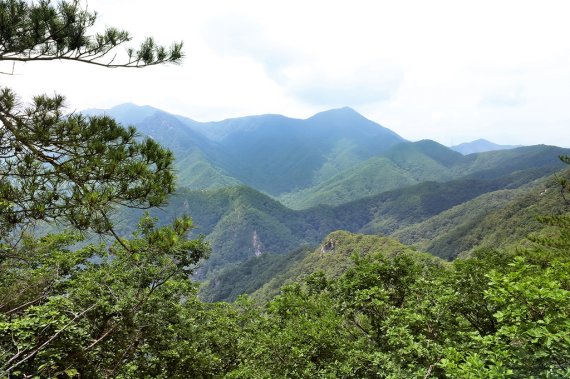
{"points": [[330, 158], [480, 146], [412, 163], [272, 153]]}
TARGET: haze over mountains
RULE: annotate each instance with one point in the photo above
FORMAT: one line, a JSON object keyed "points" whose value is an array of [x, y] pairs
{"points": [[271, 153], [330, 158], [480, 146], [268, 185]]}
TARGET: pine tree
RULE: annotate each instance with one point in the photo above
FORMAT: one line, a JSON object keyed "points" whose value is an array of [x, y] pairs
{"points": [[95, 310], [72, 168]]}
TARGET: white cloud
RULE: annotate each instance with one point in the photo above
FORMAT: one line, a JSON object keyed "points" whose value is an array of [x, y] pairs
{"points": [[446, 70], [504, 97], [365, 85]]}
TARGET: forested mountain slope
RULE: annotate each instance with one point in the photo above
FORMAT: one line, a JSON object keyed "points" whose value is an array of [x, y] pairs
{"points": [[333, 257], [374, 181], [496, 219], [415, 162], [271, 153], [332, 158], [241, 223]]}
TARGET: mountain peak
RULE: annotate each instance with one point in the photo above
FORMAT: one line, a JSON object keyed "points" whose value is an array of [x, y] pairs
{"points": [[479, 146], [338, 112], [347, 120], [126, 113], [346, 109]]}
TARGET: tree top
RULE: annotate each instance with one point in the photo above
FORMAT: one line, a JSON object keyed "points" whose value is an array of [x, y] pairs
{"points": [[44, 31]]}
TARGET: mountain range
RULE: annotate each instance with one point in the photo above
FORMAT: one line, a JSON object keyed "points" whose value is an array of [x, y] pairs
{"points": [[271, 153], [263, 188], [330, 158]]}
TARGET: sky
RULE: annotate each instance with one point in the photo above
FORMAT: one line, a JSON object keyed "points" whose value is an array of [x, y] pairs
{"points": [[451, 71]]}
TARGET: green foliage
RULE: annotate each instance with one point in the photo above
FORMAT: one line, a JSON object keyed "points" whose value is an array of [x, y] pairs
{"points": [[300, 336], [39, 31], [527, 333], [332, 258], [74, 169], [76, 309], [410, 315]]}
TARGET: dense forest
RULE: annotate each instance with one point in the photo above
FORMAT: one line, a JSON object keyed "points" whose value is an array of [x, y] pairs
{"points": [[451, 266]]}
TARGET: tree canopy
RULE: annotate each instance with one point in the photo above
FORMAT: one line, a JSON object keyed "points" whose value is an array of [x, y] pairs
{"points": [[64, 309], [64, 167]]}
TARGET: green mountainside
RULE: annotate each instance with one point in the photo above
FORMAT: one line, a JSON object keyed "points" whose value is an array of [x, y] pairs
{"points": [[271, 153], [241, 222], [403, 165], [498, 219], [502, 218], [415, 162], [263, 276], [371, 177], [371, 181], [334, 157]]}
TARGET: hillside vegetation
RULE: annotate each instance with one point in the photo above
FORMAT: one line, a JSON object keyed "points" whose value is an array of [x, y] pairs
{"points": [[264, 276], [127, 305], [241, 223], [498, 219]]}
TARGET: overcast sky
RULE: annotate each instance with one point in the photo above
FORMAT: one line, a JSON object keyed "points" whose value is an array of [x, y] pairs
{"points": [[452, 71]]}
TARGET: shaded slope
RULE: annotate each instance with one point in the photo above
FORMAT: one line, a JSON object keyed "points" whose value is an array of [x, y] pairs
{"points": [[275, 154], [403, 165], [264, 276], [442, 233], [493, 220], [272, 153], [497, 163], [376, 175], [241, 223]]}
